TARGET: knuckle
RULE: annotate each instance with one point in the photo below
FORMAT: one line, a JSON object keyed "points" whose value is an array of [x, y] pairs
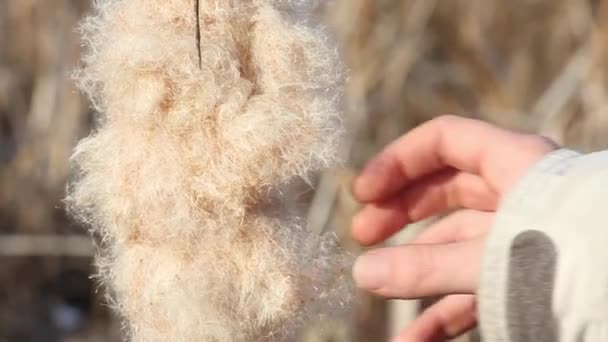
{"points": [[539, 144], [425, 265], [474, 223], [447, 120]]}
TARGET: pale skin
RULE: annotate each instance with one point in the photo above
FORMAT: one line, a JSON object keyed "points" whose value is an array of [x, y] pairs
{"points": [[449, 163]]}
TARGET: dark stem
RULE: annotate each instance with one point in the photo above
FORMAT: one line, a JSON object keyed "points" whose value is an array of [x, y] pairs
{"points": [[198, 33]]}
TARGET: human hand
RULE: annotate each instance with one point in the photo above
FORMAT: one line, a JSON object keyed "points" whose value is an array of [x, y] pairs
{"points": [[447, 163]]}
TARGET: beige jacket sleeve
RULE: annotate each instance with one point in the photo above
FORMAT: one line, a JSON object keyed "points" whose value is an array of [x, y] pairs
{"points": [[545, 267]]}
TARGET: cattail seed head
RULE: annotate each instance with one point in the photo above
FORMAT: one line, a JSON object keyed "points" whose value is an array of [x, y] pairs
{"points": [[205, 128]]}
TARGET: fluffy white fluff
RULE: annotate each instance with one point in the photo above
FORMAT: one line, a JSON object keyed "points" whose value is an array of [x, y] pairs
{"points": [[187, 180]]}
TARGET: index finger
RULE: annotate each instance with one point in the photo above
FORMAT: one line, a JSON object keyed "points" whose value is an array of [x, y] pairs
{"points": [[465, 144]]}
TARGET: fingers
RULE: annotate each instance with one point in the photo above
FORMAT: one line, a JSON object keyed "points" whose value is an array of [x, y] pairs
{"points": [[432, 195], [446, 319], [415, 271], [458, 226], [498, 155]]}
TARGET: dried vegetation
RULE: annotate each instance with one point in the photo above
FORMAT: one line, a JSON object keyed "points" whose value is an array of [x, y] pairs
{"points": [[537, 65]]}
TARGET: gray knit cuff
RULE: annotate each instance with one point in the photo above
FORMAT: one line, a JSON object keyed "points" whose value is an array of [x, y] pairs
{"points": [[520, 211]]}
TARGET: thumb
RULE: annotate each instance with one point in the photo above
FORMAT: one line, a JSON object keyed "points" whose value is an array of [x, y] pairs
{"points": [[414, 271]]}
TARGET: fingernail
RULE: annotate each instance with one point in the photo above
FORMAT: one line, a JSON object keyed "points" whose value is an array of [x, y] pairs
{"points": [[363, 185], [359, 186], [371, 271]]}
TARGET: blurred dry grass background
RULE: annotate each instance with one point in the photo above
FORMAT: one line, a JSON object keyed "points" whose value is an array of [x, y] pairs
{"points": [[534, 65]]}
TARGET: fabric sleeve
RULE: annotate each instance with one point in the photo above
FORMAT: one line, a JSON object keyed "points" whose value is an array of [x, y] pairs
{"points": [[545, 267]]}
